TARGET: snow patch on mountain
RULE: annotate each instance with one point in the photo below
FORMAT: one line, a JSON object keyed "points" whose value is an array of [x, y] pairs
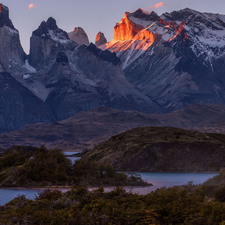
{"points": [[58, 37], [144, 23], [26, 76], [28, 67]]}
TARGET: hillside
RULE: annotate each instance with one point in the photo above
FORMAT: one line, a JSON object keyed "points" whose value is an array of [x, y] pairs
{"points": [[85, 130], [162, 149]]}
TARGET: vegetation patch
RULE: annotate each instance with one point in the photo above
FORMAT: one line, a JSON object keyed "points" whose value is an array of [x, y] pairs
{"points": [[178, 205], [23, 166]]}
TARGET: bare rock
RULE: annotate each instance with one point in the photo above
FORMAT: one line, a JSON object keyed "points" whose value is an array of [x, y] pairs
{"points": [[46, 42], [14, 56], [79, 36], [100, 39]]}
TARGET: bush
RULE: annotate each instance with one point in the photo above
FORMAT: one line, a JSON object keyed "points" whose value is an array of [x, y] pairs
{"points": [[220, 194]]}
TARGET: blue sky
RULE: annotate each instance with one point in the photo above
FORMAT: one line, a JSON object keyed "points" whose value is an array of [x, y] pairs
{"points": [[92, 15]]}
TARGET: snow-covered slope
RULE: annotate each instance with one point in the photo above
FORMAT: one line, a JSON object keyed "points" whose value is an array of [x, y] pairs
{"points": [[176, 58], [206, 31]]}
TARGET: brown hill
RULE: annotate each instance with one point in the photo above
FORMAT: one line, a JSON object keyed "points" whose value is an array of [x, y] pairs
{"points": [[87, 129], [162, 149]]}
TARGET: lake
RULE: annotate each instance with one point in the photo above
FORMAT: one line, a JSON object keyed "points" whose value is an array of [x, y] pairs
{"points": [[70, 153], [71, 158], [157, 179]]}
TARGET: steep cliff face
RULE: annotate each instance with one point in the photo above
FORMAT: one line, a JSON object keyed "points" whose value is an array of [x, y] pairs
{"points": [[100, 39], [126, 29], [14, 57], [19, 106], [46, 42], [132, 36], [79, 36], [94, 79]]}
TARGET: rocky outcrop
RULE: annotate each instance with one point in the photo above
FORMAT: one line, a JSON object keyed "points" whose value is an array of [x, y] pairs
{"points": [[14, 57], [126, 29], [79, 36], [19, 106], [4, 17], [62, 58], [104, 55], [46, 42], [100, 39]]}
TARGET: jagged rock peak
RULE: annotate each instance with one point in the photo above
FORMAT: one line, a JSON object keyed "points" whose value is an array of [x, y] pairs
{"points": [[4, 17], [191, 16], [100, 39], [49, 29], [142, 15], [126, 29], [46, 42], [104, 55], [79, 36], [46, 26]]}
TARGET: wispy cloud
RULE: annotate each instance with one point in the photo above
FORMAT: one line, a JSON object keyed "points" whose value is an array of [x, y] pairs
{"points": [[152, 7], [32, 6], [158, 5]]}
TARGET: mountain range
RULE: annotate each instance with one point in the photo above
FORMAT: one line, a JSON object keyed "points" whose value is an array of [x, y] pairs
{"points": [[154, 64]]}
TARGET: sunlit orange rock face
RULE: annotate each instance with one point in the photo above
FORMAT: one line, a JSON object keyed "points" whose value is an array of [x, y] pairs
{"points": [[126, 29], [144, 35], [129, 35], [0, 8]]}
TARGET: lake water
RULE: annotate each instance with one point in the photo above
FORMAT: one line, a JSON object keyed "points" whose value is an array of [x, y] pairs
{"points": [[72, 158], [70, 153], [157, 179]]}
